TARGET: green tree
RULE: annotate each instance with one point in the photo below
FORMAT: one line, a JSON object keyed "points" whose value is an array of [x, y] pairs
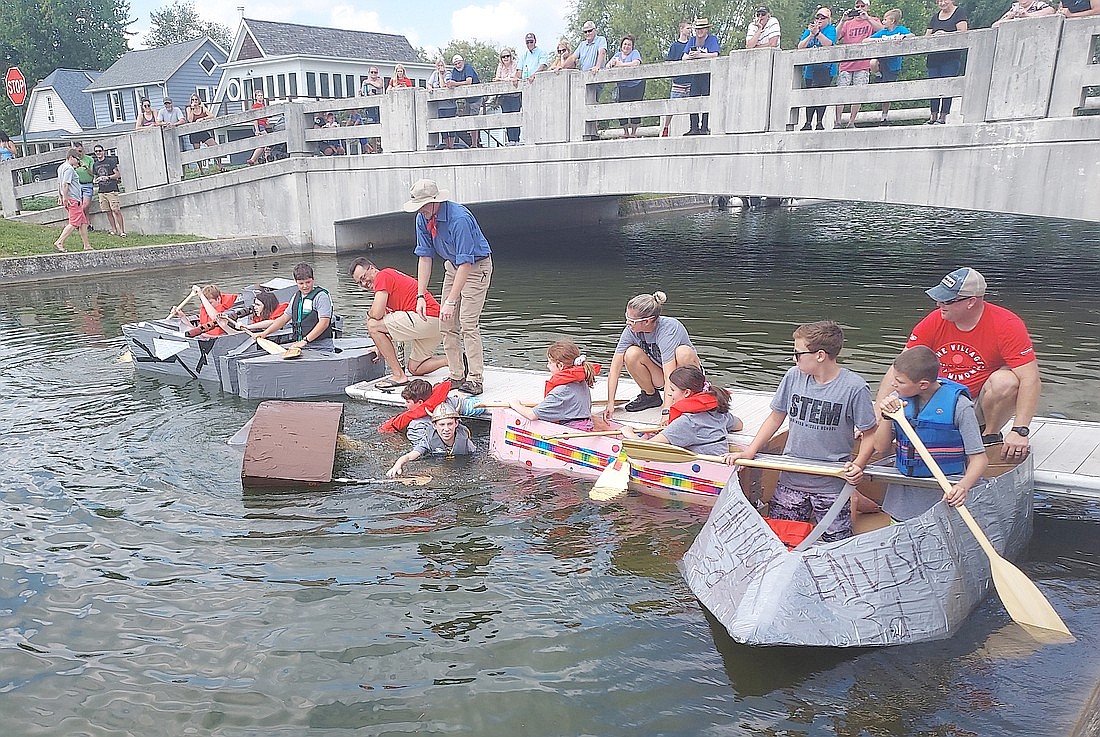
{"points": [[481, 55], [179, 22], [40, 36]]}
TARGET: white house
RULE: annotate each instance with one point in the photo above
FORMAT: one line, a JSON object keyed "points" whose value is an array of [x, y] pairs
{"points": [[290, 61]]}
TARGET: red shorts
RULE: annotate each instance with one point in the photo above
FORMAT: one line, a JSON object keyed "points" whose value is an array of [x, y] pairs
{"points": [[77, 216]]}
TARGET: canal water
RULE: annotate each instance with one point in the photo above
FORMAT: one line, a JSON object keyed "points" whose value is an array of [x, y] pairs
{"points": [[143, 592]]}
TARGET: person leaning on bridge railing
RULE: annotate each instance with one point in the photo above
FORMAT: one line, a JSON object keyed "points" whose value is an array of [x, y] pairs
{"points": [[1079, 8], [508, 70], [704, 45], [564, 58], [447, 109], [888, 68], [819, 33], [629, 90], [763, 31], [463, 75], [950, 19], [1024, 9], [681, 86]]}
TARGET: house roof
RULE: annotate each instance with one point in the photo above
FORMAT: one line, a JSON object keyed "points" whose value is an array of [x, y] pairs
{"points": [[288, 39], [146, 66], [68, 85]]}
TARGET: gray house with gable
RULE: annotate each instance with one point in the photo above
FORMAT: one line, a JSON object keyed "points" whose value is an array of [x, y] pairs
{"points": [[176, 71]]}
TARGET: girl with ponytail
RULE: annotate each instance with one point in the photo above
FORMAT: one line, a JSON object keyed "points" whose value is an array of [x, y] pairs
{"points": [[568, 394], [699, 417]]}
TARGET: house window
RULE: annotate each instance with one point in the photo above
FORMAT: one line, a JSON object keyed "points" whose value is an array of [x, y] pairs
{"points": [[324, 85], [203, 93], [293, 84], [337, 85], [208, 63], [233, 89], [139, 94], [49, 108], [282, 85], [269, 88], [311, 84], [349, 85], [115, 108]]}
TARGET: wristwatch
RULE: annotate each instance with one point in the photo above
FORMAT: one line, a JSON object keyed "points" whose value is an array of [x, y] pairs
{"points": [[1022, 431]]}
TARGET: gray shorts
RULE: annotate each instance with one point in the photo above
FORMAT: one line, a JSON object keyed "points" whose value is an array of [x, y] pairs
{"points": [[853, 79], [806, 506]]}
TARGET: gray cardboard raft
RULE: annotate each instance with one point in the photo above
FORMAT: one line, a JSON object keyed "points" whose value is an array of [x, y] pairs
{"points": [[908, 582]]}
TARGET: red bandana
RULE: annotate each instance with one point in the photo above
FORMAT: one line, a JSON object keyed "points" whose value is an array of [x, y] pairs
{"points": [[432, 225], [402, 421], [568, 376], [695, 403]]}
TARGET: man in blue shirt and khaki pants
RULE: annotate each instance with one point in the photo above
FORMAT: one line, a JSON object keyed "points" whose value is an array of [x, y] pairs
{"points": [[449, 230]]}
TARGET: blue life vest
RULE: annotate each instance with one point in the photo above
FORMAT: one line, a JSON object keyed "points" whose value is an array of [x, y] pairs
{"points": [[935, 425]]}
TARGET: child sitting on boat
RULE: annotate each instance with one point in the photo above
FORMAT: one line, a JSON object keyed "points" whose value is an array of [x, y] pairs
{"points": [[214, 303], [824, 405], [442, 435], [699, 417], [568, 393], [265, 308], [942, 413]]}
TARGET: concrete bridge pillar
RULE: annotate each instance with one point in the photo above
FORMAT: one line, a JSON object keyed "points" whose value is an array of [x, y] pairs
{"points": [[1023, 69], [745, 107], [546, 103], [294, 117], [399, 118], [148, 147]]}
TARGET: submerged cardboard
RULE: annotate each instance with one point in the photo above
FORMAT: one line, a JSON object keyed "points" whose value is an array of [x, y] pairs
{"points": [[291, 443]]}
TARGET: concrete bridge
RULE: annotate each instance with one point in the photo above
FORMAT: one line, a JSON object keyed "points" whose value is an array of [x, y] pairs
{"points": [[1022, 138]]}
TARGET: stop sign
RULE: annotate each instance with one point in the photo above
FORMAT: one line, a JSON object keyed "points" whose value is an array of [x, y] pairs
{"points": [[16, 86]]}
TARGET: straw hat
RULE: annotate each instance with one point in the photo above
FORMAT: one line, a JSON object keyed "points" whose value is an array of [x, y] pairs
{"points": [[423, 192]]}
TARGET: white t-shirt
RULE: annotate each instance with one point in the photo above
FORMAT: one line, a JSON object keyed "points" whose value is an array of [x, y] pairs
{"points": [[771, 30]]}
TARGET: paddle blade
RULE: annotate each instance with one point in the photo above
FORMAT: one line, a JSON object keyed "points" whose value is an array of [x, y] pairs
{"points": [[612, 482], [647, 450], [270, 346], [293, 352], [1022, 598]]}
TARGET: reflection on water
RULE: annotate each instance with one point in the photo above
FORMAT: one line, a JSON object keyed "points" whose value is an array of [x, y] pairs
{"points": [[142, 592]]}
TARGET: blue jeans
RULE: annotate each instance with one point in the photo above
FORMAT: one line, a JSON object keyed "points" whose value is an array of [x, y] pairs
{"points": [[511, 104]]}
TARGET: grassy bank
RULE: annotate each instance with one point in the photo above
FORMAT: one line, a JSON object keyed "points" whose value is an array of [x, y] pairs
{"points": [[26, 239]]}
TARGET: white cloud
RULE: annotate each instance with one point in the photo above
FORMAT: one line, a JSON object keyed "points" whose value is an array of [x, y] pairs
{"points": [[508, 21], [347, 17]]}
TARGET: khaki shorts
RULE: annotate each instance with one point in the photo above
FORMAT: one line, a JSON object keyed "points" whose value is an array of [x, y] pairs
{"points": [[109, 201], [407, 327]]}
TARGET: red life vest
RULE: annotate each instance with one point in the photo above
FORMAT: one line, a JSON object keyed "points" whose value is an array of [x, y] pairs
{"points": [[224, 303], [568, 376], [790, 532], [698, 402], [422, 409]]}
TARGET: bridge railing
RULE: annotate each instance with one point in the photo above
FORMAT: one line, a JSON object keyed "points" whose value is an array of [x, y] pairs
{"points": [[1023, 70]]}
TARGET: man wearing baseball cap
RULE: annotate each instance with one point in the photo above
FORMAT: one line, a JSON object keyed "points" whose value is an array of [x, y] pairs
{"points": [[986, 348], [449, 230]]}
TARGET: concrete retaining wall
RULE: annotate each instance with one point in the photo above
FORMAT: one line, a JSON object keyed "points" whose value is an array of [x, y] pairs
{"points": [[140, 258]]}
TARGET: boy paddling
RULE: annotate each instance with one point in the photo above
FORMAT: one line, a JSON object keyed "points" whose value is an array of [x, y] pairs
{"points": [[825, 404], [941, 412]]}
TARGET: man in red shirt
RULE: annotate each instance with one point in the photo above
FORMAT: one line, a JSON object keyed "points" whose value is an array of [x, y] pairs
{"points": [[392, 318], [986, 348]]}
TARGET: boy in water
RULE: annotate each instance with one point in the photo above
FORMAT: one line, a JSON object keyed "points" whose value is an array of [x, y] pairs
{"points": [[442, 435], [824, 405], [942, 413]]}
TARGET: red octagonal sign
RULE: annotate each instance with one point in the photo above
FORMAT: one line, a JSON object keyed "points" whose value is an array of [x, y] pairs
{"points": [[16, 86]]}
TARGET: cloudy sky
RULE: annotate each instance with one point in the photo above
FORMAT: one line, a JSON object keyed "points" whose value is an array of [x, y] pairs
{"points": [[429, 23]]}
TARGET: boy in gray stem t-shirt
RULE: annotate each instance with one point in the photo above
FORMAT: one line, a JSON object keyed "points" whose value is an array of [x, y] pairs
{"points": [[824, 405]]}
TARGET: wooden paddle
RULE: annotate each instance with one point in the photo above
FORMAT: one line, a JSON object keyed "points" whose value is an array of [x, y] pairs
{"points": [[406, 480], [268, 345], [498, 405], [180, 306], [612, 481], [647, 450], [1020, 596], [597, 433]]}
